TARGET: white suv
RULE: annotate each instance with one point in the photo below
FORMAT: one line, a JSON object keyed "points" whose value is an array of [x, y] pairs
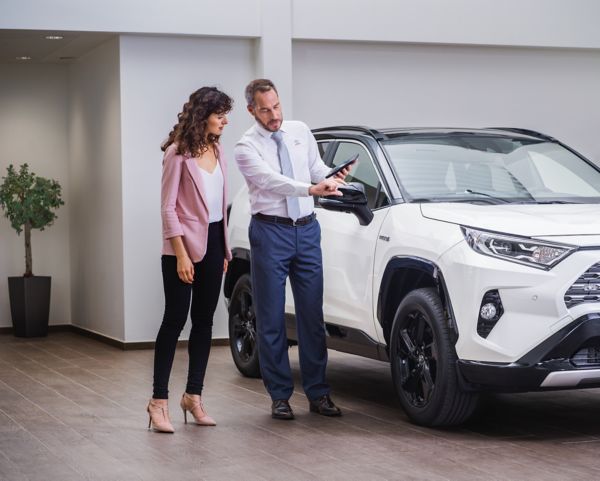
{"points": [[472, 263]]}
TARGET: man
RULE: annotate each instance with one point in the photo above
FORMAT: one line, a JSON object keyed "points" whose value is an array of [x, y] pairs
{"points": [[279, 160]]}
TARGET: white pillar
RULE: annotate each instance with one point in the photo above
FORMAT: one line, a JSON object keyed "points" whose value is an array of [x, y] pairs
{"points": [[274, 49]]}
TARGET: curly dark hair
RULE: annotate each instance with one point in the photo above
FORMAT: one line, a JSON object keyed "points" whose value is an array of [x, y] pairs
{"points": [[189, 133]]}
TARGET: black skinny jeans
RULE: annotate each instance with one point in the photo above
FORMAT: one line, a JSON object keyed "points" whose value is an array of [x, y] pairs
{"points": [[204, 294]]}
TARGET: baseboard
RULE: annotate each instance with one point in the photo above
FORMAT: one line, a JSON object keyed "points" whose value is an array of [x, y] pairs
{"points": [[125, 346], [132, 346], [53, 328], [98, 337]]}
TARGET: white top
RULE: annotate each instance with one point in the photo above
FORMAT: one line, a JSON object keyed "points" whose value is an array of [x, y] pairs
{"points": [[213, 191], [256, 156]]}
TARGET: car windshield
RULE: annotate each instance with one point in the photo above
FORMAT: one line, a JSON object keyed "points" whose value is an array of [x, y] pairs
{"points": [[491, 169]]}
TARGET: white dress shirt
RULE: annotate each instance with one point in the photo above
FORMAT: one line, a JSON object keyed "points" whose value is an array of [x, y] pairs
{"points": [[213, 191], [256, 156]]}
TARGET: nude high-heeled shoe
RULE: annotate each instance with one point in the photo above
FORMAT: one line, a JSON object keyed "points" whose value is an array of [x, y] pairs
{"points": [[158, 412], [193, 404]]}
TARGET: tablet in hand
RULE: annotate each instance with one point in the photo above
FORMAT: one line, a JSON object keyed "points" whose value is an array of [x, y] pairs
{"points": [[342, 166]]}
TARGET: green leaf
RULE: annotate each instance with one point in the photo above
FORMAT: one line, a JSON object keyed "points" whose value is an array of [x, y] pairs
{"points": [[26, 197]]}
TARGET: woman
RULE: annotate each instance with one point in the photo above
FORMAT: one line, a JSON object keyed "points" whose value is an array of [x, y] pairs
{"points": [[195, 250]]}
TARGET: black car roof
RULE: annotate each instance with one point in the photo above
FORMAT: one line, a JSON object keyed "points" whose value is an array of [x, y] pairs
{"points": [[391, 133]]}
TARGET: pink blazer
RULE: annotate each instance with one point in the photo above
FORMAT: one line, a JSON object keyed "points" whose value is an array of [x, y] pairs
{"points": [[183, 206]]}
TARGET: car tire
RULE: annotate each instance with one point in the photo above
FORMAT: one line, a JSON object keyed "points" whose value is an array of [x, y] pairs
{"points": [[423, 361], [242, 328]]}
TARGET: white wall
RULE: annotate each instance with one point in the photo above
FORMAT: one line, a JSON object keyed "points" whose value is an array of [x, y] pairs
{"points": [[33, 129], [395, 85], [385, 63], [555, 23], [157, 76], [185, 17], [96, 192], [540, 23]]}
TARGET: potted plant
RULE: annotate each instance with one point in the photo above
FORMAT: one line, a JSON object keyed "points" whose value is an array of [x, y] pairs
{"points": [[29, 202]]}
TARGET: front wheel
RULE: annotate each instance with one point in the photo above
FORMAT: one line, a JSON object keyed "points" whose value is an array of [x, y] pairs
{"points": [[242, 328], [423, 363]]}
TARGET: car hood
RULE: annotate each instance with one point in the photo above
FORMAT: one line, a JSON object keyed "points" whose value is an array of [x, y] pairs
{"points": [[528, 220]]}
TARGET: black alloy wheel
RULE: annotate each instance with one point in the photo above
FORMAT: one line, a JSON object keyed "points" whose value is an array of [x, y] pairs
{"points": [[417, 359], [242, 328], [423, 361]]}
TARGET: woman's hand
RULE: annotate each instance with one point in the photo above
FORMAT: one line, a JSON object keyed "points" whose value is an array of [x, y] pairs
{"points": [[225, 265], [185, 269], [185, 266]]}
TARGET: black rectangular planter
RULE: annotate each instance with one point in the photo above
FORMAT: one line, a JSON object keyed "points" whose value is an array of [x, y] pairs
{"points": [[29, 305]]}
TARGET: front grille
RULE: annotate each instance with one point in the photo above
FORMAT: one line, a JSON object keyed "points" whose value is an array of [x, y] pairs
{"points": [[588, 356], [586, 288]]}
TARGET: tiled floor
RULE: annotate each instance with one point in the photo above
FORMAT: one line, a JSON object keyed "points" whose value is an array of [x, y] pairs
{"points": [[73, 409]]}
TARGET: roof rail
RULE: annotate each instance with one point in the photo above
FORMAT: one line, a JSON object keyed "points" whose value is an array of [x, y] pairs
{"points": [[531, 133], [361, 128]]}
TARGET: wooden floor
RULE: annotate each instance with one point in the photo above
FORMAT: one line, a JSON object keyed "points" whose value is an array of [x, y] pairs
{"points": [[72, 408]]}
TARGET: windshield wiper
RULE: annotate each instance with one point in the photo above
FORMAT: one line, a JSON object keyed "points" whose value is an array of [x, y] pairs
{"points": [[474, 192], [538, 202], [433, 200]]}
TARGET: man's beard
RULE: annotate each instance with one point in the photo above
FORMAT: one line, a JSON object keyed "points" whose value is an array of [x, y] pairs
{"points": [[266, 127]]}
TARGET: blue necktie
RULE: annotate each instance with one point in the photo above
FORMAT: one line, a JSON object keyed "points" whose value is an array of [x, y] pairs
{"points": [[293, 203]]}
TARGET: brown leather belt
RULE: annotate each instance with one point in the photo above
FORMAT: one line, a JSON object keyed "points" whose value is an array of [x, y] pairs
{"points": [[285, 220]]}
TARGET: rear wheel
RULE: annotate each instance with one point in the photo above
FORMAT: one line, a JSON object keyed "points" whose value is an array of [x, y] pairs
{"points": [[423, 361], [242, 328]]}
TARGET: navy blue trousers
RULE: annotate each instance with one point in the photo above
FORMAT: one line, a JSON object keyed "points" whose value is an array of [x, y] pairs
{"points": [[279, 251]]}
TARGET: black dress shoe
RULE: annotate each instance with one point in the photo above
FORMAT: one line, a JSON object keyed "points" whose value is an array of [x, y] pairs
{"points": [[324, 405], [281, 409]]}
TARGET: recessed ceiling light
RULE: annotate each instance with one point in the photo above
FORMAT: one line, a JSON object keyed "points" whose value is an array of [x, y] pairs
{"points": [[24, 57], [54, 37]]}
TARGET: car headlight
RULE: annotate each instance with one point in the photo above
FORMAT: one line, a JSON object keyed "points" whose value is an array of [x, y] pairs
{"points": [[522, 250]]}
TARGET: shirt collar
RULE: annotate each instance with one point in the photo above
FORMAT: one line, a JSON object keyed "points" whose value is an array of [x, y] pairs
{"points": [[267, 133]]}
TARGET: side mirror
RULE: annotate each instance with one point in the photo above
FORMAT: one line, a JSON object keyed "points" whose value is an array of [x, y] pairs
{"points": [[353, 201]]}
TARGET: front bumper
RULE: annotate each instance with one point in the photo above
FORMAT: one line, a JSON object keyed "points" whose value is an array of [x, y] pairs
{"points": [[533, 301], [551, 365]]}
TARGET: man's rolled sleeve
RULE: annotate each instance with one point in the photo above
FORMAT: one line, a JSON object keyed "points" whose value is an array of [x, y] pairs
{"points": [[256, 171]]}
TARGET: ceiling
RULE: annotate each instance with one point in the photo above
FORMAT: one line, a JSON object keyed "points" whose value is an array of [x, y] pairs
{"points": [[33, 43]]}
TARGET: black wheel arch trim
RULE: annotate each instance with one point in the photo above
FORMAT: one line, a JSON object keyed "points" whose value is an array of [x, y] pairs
{"points": [[424, 266], [241, 253], [239, 264]]}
